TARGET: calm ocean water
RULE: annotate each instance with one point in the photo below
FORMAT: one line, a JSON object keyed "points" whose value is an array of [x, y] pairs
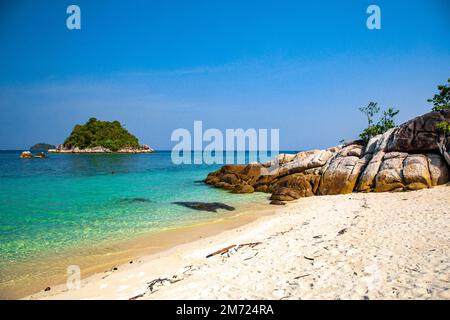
{"points": [[66, 201]]}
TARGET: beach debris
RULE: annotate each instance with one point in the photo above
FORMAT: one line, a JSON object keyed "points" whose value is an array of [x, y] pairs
{"points": [[138, 296], [40, 155], [160, 282], [233, 247], [47, 289], [281, 233], [221, 251], [308, 258], [251, 257], [187, 270], [342, 231], [156, 283], [302, 276], [364, 204], [204, 206]]}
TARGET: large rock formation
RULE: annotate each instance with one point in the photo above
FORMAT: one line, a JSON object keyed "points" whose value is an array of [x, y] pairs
{"points": [[419, 134], [404, 158]]}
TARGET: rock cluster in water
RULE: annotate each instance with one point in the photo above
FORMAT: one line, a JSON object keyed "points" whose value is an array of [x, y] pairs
{"points": [[29, 155], [409, 157]]}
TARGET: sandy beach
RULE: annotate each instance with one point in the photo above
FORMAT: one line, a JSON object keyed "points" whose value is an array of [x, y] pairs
{"points": [[353, 246]]}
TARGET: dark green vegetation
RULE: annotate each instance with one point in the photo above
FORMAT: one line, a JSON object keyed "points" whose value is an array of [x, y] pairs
{"points": [[42, 146], [96, 133], [385, 123], [441, 101]]}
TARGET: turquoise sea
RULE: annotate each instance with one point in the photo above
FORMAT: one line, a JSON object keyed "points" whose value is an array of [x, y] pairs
{"points": [[68, 201]]}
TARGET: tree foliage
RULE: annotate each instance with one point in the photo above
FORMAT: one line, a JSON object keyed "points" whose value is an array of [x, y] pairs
{"points": [[106, 134], [441, 100], [443, 127], [385, 123]]}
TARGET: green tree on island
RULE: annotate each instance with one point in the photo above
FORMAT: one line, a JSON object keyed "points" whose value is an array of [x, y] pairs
{"points": [[385, 123], [95, 133]]}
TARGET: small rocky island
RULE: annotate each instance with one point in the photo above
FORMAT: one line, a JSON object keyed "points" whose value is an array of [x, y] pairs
{"points": [[29, 155], [97, 136], [42, 147], [409, 157]]}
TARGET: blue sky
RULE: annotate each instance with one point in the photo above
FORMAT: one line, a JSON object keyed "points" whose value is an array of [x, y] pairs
{"points": [[156, 66]]}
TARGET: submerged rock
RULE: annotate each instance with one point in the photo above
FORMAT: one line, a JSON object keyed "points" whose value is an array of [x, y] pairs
{"points": [[243, 188], [204, 206], [40, 155], [135, 200]]}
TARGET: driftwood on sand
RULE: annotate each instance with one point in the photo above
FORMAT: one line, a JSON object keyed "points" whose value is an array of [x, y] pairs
{"points": [[233, 246], [152, 284]]}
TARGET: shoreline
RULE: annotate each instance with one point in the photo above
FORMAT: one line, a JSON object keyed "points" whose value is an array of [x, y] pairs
{"points": [[105, 256], [185, 236], [348, 246], [100, 152]]}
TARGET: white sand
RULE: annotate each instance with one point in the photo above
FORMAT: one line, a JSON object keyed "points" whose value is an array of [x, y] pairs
{"points": [[355, 246]]}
